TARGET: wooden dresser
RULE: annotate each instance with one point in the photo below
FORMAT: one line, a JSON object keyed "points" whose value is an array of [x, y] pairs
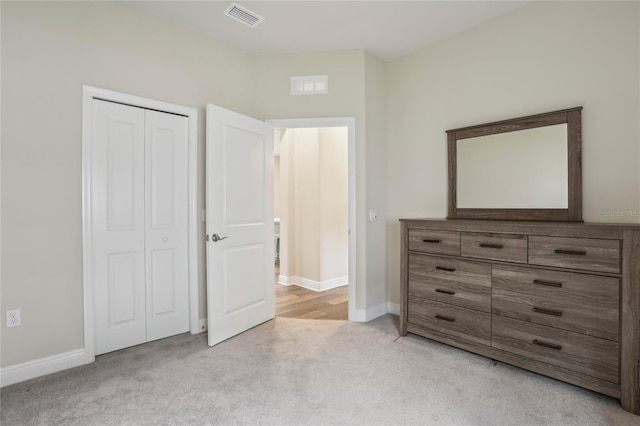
{"points": [[560, 299]]}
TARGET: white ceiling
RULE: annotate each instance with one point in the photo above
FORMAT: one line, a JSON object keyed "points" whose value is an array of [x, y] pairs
{"points": [[388, 29]]}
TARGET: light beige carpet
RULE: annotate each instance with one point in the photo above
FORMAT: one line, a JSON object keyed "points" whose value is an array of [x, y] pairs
{"points": [[294, 372]]}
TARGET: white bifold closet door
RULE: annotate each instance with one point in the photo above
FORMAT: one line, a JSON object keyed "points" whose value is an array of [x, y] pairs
{"points": [[139, 169]]}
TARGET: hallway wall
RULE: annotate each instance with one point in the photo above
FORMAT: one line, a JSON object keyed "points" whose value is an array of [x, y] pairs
{"points": [[314, 207]]}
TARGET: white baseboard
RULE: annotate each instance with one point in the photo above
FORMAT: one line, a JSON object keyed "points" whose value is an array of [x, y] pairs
{"points": [[55, 363], [366, 315], [358, 315], [313, 285], [376, 311], [283, 280], [393, 308], [43, 366]]}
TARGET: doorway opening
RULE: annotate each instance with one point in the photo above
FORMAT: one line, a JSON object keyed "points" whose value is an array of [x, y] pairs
{"points": [[314, 203]]}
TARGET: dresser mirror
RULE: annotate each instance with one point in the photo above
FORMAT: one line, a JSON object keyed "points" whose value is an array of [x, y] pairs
{"points": [[527, 168]]}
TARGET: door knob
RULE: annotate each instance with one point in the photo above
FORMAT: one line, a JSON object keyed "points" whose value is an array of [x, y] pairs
{"points": [[215, 238]]}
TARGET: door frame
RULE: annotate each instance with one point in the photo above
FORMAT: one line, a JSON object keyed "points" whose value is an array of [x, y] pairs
{"points": [[350, 124], [89, 93]]}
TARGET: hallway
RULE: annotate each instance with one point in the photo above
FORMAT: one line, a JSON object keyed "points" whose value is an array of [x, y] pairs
{"points": [[297, 302]]}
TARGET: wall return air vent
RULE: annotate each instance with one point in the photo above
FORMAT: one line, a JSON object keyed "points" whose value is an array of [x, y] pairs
{"points": [[244, 15], [310, 85]]}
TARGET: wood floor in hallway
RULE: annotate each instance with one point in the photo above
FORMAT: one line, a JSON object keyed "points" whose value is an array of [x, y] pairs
{"points": [[298, 302]]}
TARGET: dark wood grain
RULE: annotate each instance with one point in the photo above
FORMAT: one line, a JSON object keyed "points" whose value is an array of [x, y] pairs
{"points": [[452, 152], [514, 124], [574, 134], [569, 376], [469, 282], [494, 246], [559, 229], [434, 241], [630, 319], [589, 304], [467, 324], [404, 276], [558, 215], [585, 354], [573, 212], [599, 254]]}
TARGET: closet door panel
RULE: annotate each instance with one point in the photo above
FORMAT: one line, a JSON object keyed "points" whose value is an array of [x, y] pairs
{"points": [[117, 215], [166, 162]]}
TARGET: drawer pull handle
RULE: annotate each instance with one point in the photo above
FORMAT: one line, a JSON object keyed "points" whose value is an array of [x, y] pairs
{"points": [[432, 241], [547, 345], [547, 312], [442, 268], [494, 246], [547, 283], [442, 290], [445, 318], [573, 252]]}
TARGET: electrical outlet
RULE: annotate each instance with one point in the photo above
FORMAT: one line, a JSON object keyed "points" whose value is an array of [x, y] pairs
{"points": [[13, 318]]}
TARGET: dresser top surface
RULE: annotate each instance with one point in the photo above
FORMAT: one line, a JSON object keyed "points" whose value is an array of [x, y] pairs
{"points": [[602, 230]]}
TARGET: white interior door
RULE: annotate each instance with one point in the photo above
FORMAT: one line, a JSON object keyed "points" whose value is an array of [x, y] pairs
{"points": [[117, 196], [166, 199], [139, 169], [240, 266]]}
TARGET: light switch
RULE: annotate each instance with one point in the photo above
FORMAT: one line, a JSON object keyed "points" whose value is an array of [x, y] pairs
{"points": [[373, 215]]}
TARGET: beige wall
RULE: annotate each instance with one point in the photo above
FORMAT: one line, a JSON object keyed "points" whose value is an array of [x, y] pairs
{"points": [[48, 51], [286, 184], [304, 205], [333, 244], [276, 187], [314, 228], [541, 57]]}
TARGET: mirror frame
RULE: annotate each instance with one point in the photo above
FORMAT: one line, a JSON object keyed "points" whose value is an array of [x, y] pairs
{"points": [[573, 212]]}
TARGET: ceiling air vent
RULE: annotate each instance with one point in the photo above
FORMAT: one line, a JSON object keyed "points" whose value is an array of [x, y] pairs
{"points": [[244, 15]]}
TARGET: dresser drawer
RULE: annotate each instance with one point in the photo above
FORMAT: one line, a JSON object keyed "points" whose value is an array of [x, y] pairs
{"points": [[437, 242], [457, 282], [577, 352], [586, 304], [506, 247], [575, 253], [464, 323]]}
